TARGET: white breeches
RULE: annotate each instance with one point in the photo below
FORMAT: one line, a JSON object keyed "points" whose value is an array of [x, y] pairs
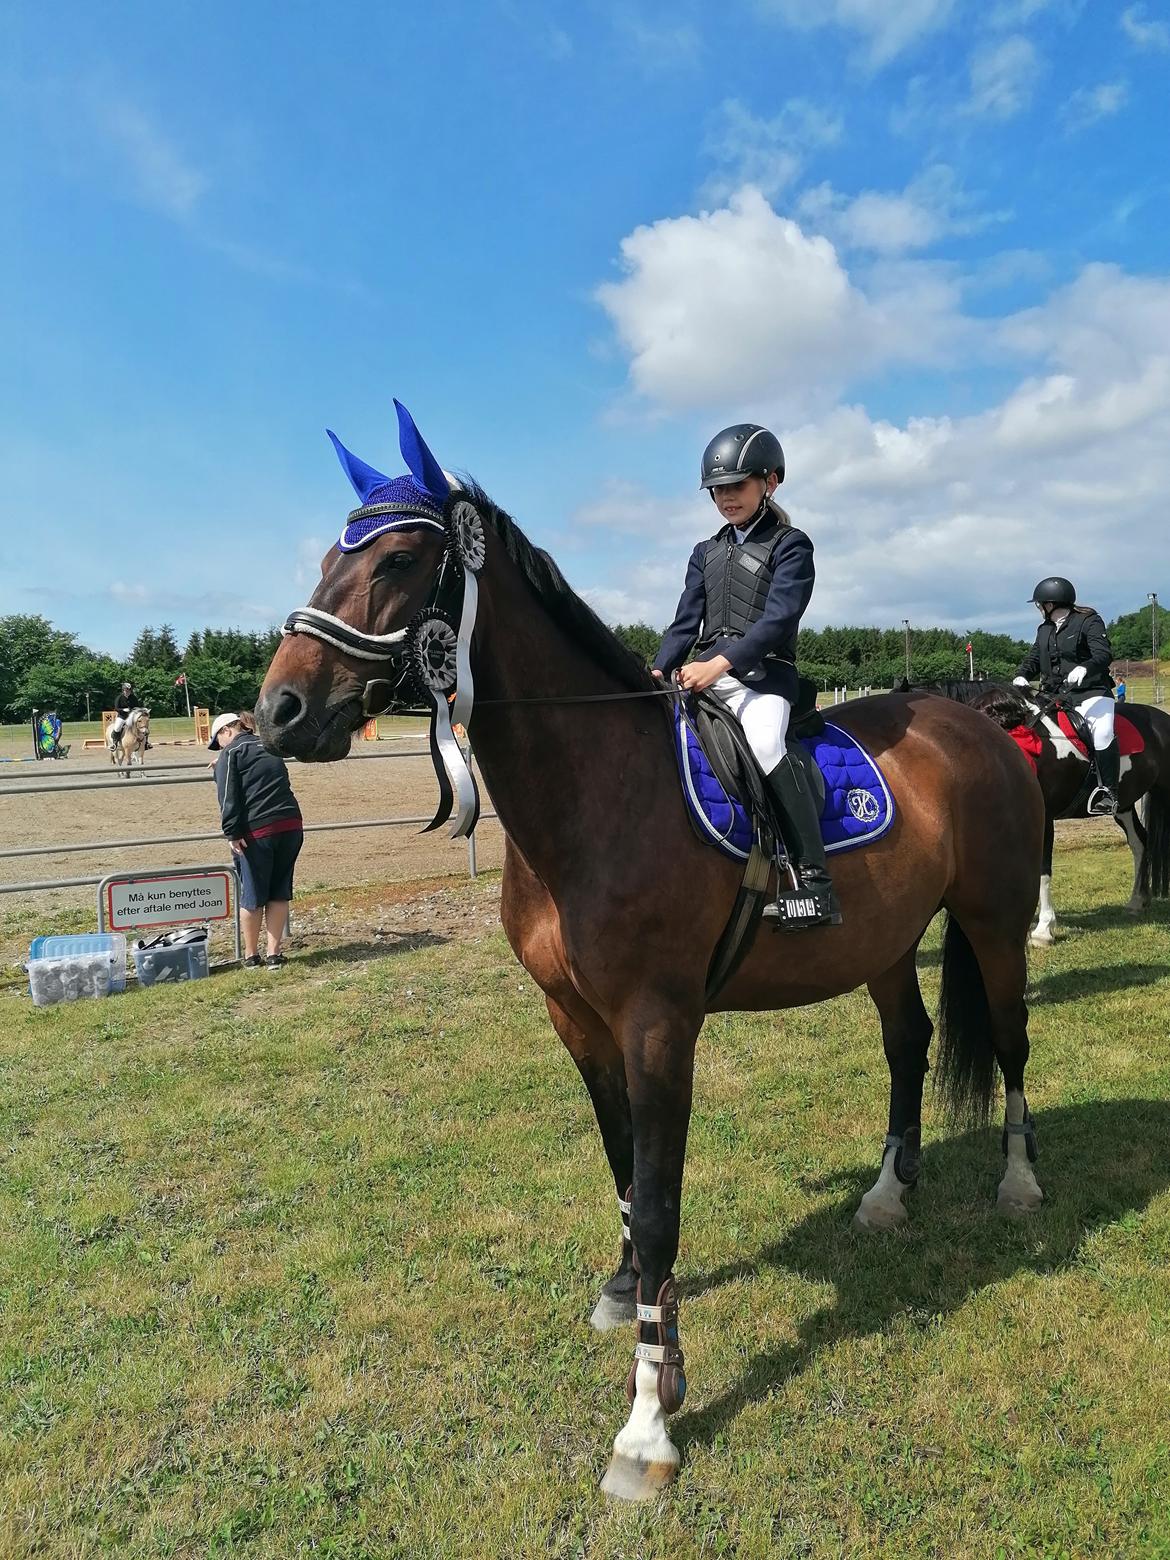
{"points": [[1098, 712], [763, 716]]}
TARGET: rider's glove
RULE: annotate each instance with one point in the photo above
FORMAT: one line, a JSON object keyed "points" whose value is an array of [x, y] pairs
{"points": [[1019, 682], [1077, 676]]}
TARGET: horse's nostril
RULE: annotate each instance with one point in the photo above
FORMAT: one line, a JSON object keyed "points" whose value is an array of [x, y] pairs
{"points": [[288, 708]]}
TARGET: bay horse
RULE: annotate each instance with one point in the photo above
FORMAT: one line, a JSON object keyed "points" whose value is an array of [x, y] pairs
{"points": [[128, 747], [614, 906], [1063, 772]]}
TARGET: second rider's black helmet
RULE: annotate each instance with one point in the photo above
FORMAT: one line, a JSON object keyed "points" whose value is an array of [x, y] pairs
{"points": [[747, 450], [1056, 589]]}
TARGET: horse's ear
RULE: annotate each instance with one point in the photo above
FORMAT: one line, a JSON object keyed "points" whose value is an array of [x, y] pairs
{"points": [[424, 468], [364, 478]]}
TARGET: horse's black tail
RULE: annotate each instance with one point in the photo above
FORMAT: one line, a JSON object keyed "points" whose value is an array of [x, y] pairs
{"points": [[1154, 877], [965, 1076]]}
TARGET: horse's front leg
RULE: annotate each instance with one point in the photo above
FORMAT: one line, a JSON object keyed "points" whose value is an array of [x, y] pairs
{"points": [[598, 1060], [1046, 921], [659, 1051]]}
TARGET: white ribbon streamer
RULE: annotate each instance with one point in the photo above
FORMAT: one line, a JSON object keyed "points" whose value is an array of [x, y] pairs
{"points": [[466, 811], [464, 682]]}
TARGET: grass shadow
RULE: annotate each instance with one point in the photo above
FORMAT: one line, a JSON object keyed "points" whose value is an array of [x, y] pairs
{"points": [[1100, 1161], [1071, 985], [1111, 916], [370, 948]]}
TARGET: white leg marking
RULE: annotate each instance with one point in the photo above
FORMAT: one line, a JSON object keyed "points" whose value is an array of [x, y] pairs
{"points": [[1019, 1191], [882, 1207], [1137, 903], [645, 1459], [1042, 931]]}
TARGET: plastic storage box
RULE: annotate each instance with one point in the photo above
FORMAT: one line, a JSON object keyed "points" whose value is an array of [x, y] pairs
{"points": [[84, 945], [67, 980], [157, 966]]}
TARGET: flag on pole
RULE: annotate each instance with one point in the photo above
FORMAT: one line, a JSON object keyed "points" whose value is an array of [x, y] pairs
{"points": [[968, 647], [181, 679]]}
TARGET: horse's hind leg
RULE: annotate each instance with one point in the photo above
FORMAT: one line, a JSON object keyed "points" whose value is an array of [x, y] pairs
{"points": [[1131, 826], [1004, 966], [906, 1032], [600, 1064]]}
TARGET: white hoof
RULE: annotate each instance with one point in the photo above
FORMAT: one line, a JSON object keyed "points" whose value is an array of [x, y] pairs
{"points": [[874, 1216], [630, 1478], [1018, 1196], [1041, 937], [609, 1313]]}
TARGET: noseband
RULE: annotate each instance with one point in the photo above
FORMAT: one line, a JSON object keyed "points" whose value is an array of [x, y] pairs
{"points": [[431, 654]]}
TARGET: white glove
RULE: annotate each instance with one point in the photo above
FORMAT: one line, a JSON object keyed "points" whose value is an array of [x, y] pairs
{"points": [[1019, 682], [1077, 676]]}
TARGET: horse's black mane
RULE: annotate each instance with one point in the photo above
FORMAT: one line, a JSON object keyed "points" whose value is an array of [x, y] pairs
{"points": [[558, 599], [998, 700]]}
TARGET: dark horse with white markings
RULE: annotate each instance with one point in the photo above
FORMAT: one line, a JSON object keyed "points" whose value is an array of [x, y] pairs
{"points": [[614, 906], [1065, 781]]}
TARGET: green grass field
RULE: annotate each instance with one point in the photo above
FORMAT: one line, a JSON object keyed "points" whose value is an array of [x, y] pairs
{"points": [[301, 1265]]}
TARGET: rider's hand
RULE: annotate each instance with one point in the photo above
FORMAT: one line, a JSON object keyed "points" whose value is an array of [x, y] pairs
{"points": [[655, 673], [1020, 682], [239, 847], [701, 674], [1077, 676]]}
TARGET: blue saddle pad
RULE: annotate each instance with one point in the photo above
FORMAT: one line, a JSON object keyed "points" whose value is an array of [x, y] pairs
{"points": [[858, 805]]}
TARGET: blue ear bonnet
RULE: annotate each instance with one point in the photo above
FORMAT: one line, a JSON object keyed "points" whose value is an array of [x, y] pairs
{"points": [[418, 497]]}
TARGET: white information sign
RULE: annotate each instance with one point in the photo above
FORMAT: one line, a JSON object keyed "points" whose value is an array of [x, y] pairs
{"points": [[167, 900]]}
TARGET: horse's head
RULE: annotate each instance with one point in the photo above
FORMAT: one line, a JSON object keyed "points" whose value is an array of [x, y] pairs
{"points": [[384, 585]]}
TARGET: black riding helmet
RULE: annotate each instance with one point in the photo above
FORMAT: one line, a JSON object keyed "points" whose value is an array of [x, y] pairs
{"points": [[746, 450], [1057, 590]]}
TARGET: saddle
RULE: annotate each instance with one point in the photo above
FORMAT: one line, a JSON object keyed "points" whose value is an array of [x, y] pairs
{"points": [[734, 765], [731, 807]]}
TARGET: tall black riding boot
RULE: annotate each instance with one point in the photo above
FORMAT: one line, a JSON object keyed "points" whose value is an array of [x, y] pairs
{"points": [[1103, 802], [815, 903]]}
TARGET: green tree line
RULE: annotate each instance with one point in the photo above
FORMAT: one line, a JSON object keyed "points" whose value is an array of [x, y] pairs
{"points": [[876, 657], [46, 668]]}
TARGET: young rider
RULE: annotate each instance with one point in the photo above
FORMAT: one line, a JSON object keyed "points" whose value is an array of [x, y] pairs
{"points": [[746, 590], [1072, 651]]}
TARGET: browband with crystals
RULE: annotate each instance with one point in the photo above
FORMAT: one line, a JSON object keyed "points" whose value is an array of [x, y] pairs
{"points": [[408, 515]]}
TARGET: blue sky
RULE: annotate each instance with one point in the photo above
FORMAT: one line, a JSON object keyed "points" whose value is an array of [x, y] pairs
{"points": [[926, 243]]}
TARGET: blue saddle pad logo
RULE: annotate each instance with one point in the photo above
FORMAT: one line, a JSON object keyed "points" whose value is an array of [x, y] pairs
{"points": [[858, 805]]}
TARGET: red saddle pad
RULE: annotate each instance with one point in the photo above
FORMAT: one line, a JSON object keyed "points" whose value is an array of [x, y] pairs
{"points": [[1129, 738]]}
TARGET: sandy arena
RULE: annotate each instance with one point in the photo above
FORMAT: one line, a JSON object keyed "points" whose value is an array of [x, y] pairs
{"points": [[360, 787]]}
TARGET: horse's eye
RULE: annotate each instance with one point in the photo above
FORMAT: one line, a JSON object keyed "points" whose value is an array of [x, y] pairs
{"points": [[394, 563]]}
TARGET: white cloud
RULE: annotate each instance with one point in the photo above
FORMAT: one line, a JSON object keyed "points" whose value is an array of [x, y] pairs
{"points": [[657, 44], [1090, 104], [951, 519], [767, 153], [1142, 33], [163, 178], [1003, 76], [887, 29], [741, 304], [931, 207]]}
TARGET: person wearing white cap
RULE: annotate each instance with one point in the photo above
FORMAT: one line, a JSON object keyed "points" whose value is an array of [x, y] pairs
{"points": [[262, 821]]}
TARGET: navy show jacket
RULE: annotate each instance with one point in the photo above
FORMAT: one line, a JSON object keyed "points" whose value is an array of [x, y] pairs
{"points": [[774, 632]]}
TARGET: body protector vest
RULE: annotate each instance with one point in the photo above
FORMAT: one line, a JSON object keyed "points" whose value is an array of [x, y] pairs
{"points": [[736, 578]]}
